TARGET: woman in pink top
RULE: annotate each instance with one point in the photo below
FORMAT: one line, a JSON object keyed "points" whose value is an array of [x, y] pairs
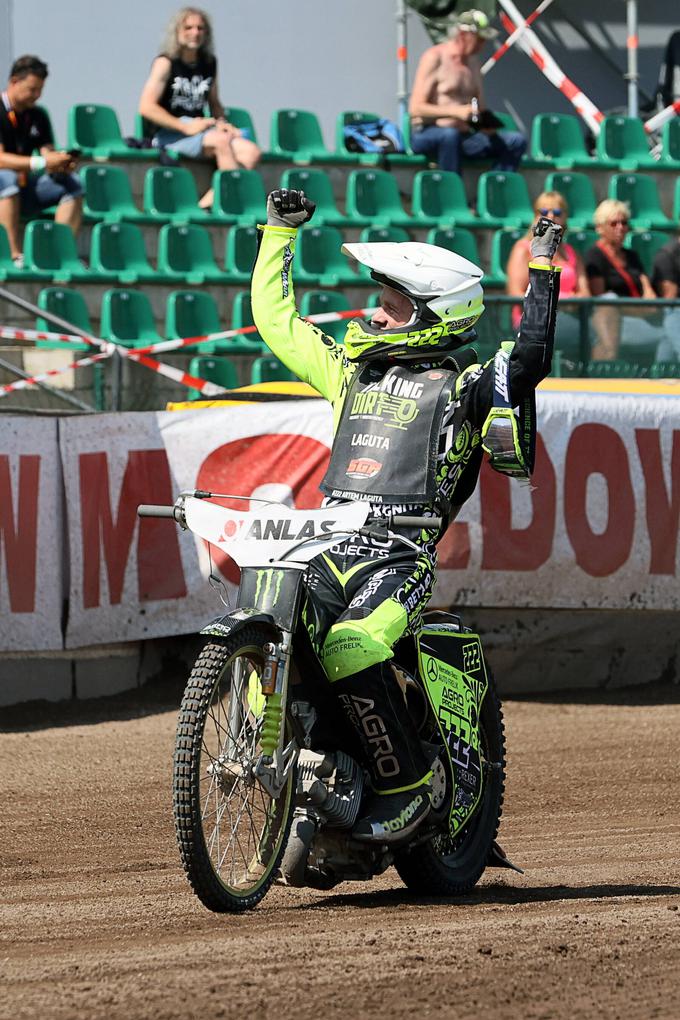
{"points": [[573, 279]]}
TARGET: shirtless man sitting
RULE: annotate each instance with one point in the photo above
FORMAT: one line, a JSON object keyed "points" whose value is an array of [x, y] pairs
{"points": [[447, 94]]}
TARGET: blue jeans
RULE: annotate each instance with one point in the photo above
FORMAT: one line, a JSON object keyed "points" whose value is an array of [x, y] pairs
{"points": [[40, 192], [447, 145]]}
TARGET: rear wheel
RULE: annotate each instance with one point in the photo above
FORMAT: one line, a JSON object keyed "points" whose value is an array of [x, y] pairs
{"points": [[446, 866], [231, 832]]}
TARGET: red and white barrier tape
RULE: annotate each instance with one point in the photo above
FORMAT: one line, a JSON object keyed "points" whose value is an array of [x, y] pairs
{"points": [[141, 354], [513, 37], [660, 118], [535, 49], [22, 384]]}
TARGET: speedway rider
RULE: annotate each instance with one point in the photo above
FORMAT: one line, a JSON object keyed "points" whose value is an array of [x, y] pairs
{"points": [[412, 414]]}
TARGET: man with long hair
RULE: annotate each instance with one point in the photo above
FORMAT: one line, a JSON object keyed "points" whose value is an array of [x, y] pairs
{"points": [[183, 81]]}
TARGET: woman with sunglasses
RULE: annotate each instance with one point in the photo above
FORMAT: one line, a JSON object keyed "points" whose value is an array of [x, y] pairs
{"points": [[616, 271], [573, 279]]}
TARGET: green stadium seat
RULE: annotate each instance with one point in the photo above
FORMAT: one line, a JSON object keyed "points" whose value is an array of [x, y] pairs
{"points": [[185, 251], [241, 119], [501, 246], [240, 254], [373, 198], [117, 249], [239, 197], [566, 368], [317, 186], [665, 370], [319, 260], [192, 313], [582, 240], [503, 200], [8, 271], [241, 316], [50, 251], [676, 201], [578, 190], [640, 191], [615, 369], [622, 143], [646, 243], [219, 370], [108, 195], [346, 117], [296, 136], [379, 235], [318, 302], [95, 130], [68, 304], [670, 143], [170, 196], [439, 200], [269, 369], [128, 319], [557, 139], [458, 240]]}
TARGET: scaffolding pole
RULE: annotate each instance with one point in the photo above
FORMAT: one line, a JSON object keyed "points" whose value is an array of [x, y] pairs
{"points": [[632, 75], [402, 61]]}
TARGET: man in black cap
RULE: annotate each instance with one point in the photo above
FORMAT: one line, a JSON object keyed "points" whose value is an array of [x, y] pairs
{"points": [[448, 115]]}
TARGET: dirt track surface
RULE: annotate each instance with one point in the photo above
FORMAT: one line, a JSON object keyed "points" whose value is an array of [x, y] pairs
{"points": [[97, 920]]}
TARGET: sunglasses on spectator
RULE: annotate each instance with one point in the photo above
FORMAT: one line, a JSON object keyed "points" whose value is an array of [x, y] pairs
{"points": [[546, 212], [618, 223]]}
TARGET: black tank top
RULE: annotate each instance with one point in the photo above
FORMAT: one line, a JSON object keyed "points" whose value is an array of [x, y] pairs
{"points": [[188, 85]]}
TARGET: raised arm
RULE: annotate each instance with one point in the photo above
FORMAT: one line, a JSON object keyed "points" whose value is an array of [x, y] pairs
{"points": [[303, 348], [532, 353]]}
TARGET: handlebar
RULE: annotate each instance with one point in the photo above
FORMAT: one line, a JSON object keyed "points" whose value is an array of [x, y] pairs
{"points": [[150, 510], [407, 521]]}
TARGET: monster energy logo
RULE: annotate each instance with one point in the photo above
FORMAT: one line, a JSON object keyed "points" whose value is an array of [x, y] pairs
{"points": [[268, 586]]}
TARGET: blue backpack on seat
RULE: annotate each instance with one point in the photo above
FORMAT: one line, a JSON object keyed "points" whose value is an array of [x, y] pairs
{"points": [[381, 136]]}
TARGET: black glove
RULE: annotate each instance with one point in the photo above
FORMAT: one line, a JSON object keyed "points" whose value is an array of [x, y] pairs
{"points": [[289, 208], [546, 239]]}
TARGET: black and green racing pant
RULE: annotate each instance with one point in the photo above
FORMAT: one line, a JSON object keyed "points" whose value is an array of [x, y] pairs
{"points": [[362, 596]]}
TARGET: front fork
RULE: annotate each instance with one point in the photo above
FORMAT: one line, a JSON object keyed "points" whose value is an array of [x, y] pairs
{"points": [[278, 758]]}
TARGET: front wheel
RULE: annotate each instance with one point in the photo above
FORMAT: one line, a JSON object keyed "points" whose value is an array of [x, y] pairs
{"points": [[231, 832], [451, 866]]}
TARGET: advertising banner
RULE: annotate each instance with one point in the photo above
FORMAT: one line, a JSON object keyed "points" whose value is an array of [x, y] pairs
{"points": [[133, 578], [596, 528], [31, 535]]}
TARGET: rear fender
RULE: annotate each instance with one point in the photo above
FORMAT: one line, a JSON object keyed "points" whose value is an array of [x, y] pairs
{"points": [[453, 672], [225, 626]]}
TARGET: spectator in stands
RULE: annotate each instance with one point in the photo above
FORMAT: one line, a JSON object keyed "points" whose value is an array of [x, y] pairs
{"points": [[183, 81], [615, 271], [666, 284], [33, 175], [447, 102], [573, 279]]}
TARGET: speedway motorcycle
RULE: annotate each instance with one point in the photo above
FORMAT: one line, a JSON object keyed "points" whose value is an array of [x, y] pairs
{"points": [[267, 784]]}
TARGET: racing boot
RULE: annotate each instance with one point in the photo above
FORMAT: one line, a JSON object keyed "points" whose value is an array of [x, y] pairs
{"points": [[375, 707]]}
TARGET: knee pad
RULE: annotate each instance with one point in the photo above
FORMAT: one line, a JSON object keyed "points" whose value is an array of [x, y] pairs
{"points": [[353, 645]]}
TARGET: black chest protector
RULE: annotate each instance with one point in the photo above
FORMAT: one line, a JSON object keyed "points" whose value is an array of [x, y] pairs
{"points": [[385, 449]]}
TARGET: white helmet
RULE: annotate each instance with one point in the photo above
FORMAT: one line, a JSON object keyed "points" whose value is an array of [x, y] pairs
{"points": [[445, 291]]}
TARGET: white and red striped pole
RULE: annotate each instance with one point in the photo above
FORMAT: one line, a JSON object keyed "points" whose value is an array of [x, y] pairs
{"points": [[514, 36], [534, 48]]}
